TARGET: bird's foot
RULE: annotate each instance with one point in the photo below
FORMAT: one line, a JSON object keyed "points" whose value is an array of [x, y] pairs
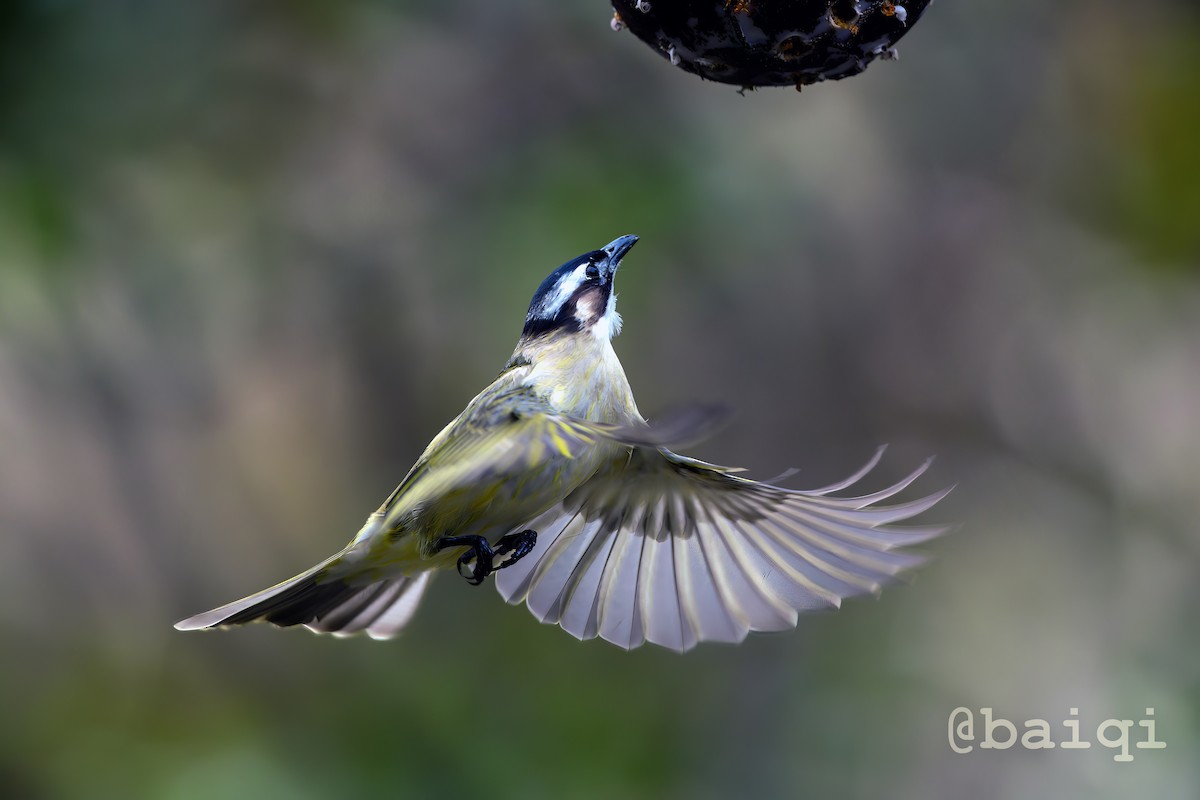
{"points": [[478, 551], [516, 546], [479, 560]]}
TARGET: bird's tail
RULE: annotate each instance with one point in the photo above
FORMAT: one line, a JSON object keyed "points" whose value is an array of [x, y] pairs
{"points": [[324, 605]]}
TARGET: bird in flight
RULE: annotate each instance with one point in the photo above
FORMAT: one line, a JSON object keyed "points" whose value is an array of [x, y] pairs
{"points": [[552, 480]]}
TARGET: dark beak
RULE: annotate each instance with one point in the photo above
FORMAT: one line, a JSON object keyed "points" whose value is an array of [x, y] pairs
{"points": [[617, 248]]}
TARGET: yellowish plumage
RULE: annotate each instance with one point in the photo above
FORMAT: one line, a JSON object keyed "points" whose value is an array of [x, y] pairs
{"points": [[488, 471], [634, 543]]}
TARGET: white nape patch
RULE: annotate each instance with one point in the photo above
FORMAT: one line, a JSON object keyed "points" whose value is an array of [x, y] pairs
{"points": [[608, 325], [552, 303]]}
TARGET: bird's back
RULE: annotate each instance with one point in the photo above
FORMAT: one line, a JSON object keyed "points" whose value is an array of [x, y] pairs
{"points": [[506, 459]]}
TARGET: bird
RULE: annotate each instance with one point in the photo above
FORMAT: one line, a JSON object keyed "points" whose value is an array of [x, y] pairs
{"points": [[552, 481]]}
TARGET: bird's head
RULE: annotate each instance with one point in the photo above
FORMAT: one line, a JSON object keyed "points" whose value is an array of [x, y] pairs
{"points": [[578, 296]]}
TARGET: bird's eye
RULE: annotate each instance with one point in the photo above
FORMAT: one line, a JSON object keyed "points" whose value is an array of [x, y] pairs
{"points": [[592, 271]]}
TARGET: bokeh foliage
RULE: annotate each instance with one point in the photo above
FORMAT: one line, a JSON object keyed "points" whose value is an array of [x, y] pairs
{"points": [[253, 256]]}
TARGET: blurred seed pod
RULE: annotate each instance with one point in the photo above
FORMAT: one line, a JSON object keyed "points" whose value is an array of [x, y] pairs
{"points": [[770, 42]]}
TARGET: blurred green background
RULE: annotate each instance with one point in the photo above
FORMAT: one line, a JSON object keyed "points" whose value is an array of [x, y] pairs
{"points": [[254, 255]]}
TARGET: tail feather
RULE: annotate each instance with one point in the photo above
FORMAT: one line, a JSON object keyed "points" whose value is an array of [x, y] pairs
{"points": [[380, 609]]}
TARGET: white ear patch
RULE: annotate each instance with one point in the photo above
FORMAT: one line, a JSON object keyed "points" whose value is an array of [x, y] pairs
{"points": [[588, 307], [593, 308]]}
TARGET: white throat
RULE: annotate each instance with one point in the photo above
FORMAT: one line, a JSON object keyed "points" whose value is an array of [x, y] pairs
{"points": [[609, 325]]}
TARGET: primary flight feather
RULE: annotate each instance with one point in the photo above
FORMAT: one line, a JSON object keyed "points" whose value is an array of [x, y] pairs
{"points": [[552, 479]]}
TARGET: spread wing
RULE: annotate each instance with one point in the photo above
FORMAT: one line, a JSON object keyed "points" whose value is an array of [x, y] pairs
{"points": [[503, 432], [674, 551]]}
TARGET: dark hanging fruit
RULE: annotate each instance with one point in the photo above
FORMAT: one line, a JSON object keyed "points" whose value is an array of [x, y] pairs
{"points": [[770, 42]]}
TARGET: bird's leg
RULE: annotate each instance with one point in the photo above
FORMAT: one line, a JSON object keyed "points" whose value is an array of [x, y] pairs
{"points": [[480, 551], [516, 546]]}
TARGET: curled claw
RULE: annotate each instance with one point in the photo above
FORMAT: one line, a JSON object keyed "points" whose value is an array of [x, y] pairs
{"points": [[509, 550], [516, 546], [482, 569]]}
